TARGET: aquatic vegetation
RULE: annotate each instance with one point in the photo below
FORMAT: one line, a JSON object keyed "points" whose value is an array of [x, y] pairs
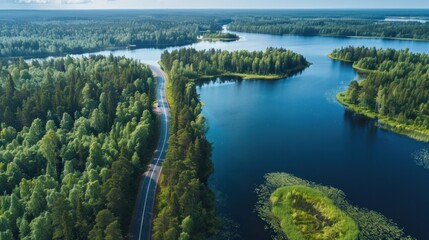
{"points": [[421, 158], [371, 224]]}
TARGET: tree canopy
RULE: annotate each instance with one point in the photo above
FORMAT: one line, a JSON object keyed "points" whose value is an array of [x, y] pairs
{"points": [[75, 135], [396, 86], [196, 64]]}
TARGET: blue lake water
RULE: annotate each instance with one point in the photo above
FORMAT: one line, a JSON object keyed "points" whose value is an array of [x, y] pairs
{"points": [[295, 125]]}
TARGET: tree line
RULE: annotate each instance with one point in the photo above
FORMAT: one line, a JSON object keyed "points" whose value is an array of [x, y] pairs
{"points": [[341, 27], [397, 85], [194, 64], [185, 203], [75, 135], [50, 37]]}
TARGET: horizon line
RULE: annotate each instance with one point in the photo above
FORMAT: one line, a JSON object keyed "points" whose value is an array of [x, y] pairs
{"points": [[261, 9]]}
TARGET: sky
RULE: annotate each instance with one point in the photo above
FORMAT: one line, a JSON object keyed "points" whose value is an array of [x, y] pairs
{"points": [[185, 4]]}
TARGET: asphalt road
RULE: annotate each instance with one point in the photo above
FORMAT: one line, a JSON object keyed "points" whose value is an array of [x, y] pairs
{"points": [[141, 225]]}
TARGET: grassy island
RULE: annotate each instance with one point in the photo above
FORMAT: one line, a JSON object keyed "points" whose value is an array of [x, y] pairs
{"points": [[220, 36], [395, 90], [298, 209], [273, 63], [306, 213]]}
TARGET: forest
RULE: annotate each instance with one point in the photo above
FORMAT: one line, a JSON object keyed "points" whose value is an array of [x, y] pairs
{"points": [[75, 135], [396, 87], [337, 27], [275, 62], [185, 203], [58, 36]]}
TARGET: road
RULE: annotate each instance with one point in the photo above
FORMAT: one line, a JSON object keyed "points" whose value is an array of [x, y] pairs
{"points": [[141, 225]]}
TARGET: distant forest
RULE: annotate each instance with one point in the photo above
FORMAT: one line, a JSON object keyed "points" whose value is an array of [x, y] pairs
{"points": [[339, 27], [38, 34], [57, 36]]}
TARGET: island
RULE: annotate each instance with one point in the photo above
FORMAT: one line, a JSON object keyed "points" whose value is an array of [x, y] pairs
{"points": [[395, 90], [306, 213], [295, 209], [219, 36], [273, 63]]}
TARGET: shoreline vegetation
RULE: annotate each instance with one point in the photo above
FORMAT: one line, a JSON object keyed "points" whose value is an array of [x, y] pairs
{"points": [[368, 98], [185, 207], [303, 202]]}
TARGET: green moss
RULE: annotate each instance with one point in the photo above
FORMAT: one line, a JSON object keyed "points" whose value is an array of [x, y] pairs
{"points": [[274, 208], [306, 213]]}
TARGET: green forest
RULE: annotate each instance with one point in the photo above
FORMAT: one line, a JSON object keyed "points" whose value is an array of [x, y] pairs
{"points": [[396, 88], [75, 136], [56, 37], [338, 27], [185, 205], [272, 63]]}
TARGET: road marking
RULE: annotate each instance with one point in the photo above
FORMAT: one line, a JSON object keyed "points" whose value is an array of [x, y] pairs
{"points": [[162, 89]]}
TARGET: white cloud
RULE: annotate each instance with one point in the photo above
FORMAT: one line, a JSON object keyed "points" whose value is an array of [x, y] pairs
{"points": [[75, 1], [36, 1]]}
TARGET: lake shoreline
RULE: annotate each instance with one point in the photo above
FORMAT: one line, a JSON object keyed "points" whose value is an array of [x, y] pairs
{"points": [[384, 122]]}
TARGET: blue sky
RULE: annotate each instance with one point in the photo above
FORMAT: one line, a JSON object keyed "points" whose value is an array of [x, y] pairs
{"points": [[173, 4]]}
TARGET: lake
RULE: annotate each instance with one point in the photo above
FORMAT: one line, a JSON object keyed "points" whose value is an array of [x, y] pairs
{"points": [[295, 125]]}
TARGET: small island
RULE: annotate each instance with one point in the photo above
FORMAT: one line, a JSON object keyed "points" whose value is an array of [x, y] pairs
{"points": [[273, 63], [297, 209], [219, 36], [395, 90], [306, 213]]}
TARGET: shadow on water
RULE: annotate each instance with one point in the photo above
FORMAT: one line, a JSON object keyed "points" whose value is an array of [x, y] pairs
{"points": [[234, 79], [358, 122]]}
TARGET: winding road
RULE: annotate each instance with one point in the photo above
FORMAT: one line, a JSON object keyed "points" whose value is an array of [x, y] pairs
{"points": [[141, 225]]}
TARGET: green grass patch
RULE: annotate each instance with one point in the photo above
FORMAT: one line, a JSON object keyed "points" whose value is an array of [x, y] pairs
{"points": [[169, 90], [295, 208], [306, 213]]}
